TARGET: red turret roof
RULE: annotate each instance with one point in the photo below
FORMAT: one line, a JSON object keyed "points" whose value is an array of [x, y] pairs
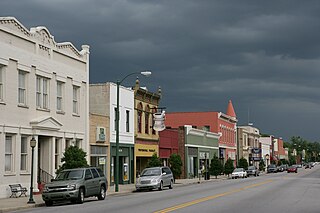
{"points": [[230, 110]]}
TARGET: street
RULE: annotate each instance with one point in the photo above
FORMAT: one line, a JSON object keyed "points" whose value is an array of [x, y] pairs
{"points": [[278, 192]]}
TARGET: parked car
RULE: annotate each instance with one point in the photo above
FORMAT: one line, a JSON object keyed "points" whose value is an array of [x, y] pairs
{"points": [[75, 185], [155, 178], [239, 172], [292, 169], [308, 165], [272, 168], [252, 170], [282, 167]]}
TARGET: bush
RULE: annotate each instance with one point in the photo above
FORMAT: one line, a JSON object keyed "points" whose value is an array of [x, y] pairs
{"points": [[154, 161], [262, 166], [175, 163], [243, 163], [216, 168], [228, 167], [73, 157]]}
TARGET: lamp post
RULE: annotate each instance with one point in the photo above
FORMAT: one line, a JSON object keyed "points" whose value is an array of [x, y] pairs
{"points": [[33, 143], [116, 179]]}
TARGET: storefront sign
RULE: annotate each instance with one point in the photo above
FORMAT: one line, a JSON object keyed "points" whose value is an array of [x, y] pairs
{"points": [[256, 150], [145, 150], [102, 161]]}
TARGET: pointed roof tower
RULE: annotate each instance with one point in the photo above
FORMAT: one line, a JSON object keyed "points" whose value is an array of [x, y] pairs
{"points": [[230, 110]]}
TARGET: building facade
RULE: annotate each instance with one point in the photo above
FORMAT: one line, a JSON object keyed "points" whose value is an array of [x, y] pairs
{"points": [[248, 144], [44, 87], [146, 138], [216, 122], [100, 143], [103, 101], [168, 144], [266, 149]]}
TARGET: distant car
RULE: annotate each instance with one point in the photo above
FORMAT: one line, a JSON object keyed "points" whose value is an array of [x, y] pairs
{"points": [[155, 178], [239, 172], [75, 185], [252, 170], [272, 168], [282, 167], [292, 169]]}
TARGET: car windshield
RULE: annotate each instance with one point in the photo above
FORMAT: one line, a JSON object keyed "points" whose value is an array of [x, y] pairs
{"points": [[70, 175], [251, 168], [151, 172], [272, 166], [238, 170]]}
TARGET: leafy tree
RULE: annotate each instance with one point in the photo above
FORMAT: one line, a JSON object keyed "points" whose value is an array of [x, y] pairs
{"points": [[243, 163], [262, 165], [216, 168], [228, 167], [175, 163], [154, 161], [73, 157]]}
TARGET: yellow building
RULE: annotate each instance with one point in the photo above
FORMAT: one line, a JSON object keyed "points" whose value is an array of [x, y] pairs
{"points": [[146, 139]]}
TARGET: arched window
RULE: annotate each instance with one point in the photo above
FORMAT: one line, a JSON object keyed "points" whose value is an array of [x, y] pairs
{"points": [[139, 112], [147, 118], [154, 110]]}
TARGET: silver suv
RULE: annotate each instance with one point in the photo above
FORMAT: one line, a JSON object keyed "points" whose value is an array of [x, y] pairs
{"points": [[155, 178], [75, 185]]}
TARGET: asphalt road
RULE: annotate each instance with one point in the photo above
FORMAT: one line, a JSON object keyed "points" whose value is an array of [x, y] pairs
{"points": [[280, 192]]}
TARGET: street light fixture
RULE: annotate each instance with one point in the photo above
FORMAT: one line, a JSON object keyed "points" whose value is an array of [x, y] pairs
{"points": [[116, 179], [33, 144]]}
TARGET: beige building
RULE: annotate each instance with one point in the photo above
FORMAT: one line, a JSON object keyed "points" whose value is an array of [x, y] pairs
{"points": [[44, 87], [248, 144], [146, 139], [100, 143]]}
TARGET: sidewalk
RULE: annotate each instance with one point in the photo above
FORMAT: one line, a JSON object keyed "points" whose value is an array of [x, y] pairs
{"points": [[13, 204]]}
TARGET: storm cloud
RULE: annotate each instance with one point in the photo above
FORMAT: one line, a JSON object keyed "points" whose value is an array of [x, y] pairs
{"points": [[263, 55]]}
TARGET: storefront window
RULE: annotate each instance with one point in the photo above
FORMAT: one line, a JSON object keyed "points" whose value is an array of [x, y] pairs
{"points": [[126, 169]]}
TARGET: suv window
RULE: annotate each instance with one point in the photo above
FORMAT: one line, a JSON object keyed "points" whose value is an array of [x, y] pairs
{"points": [[88, 174], [95, 173], [100, 172]]}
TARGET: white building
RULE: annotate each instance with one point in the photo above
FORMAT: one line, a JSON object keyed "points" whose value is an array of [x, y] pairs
{"points": [[44, 88], [266, 143], [103, 101]]}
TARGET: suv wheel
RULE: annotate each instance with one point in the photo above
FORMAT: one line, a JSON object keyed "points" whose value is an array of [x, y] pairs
{"points": [[49, 203], [81, 195], [102, 194]]}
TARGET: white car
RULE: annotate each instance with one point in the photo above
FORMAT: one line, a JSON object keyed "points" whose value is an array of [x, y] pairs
{"points": [[239, 173]]}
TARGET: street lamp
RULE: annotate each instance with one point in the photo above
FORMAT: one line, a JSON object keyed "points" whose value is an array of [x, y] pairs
{"points": [[116, 179], [33, 143]]}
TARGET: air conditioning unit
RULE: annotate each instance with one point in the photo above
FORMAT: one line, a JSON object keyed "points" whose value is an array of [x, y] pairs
{"points": [[101, 134]]}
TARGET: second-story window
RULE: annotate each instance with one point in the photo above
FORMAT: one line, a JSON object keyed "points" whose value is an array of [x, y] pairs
{"points": [[127, 121], [22, 90], [42, 92], [60, 95], [146, 123], [139, 121], [115, 119], [1, 83], [76, 99]]}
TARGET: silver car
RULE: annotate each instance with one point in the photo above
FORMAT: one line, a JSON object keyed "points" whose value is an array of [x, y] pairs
{"points": [[155, 178]]}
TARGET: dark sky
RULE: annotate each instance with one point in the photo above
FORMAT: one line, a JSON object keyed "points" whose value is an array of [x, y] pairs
{"points": [[263, 55]]}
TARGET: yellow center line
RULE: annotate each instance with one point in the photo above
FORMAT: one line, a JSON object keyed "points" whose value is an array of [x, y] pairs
{"points": [[190, 203]]}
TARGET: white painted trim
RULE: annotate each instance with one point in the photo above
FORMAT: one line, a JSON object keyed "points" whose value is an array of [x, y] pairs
{"points": [[199, 146]]}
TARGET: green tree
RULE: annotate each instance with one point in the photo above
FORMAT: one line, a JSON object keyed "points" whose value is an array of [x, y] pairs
{"points": [[73, 157], [216, 168], [228, 167], [262, 165], [175, 163], [154, 161], [243, 163]]}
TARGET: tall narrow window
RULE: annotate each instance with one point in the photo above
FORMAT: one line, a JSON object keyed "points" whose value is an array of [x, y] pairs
{"points": [[115, 119], [24, 153], [139, 121], [75, 99], [42, 100], [60, 95], [146, 116], [22, 88], [1, 82], [8, 154], [127, 121]]}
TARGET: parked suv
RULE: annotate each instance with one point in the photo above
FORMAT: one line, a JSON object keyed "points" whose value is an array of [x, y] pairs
{"points": [[75, 185], [155, 178]]}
